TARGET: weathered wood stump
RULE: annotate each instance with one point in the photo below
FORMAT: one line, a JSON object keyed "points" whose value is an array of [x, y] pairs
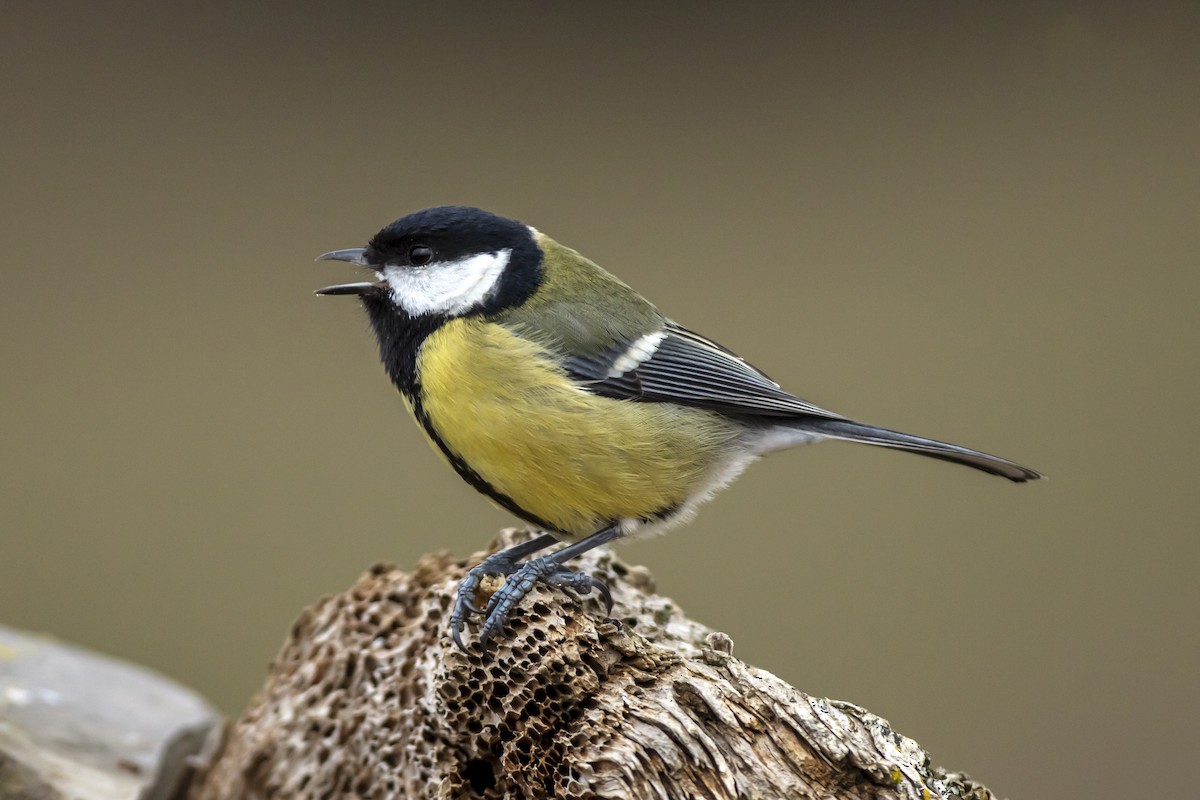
{"points": [[370, 698]]}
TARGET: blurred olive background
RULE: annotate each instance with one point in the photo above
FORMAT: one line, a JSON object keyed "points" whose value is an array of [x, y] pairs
{"points": [[974, 222]]}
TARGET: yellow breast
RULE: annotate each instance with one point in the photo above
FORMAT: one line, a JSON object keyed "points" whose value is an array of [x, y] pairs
{"points": [[576, 460]]}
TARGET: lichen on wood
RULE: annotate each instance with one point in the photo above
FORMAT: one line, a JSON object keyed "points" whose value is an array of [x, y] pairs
{"points": [[370, 698]]}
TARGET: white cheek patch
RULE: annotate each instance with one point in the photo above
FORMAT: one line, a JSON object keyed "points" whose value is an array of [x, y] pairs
{"points": [[638, 352], [446, 287]]}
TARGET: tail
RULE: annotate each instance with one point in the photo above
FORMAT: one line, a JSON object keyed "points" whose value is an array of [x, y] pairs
{"points": [[868, 434]]}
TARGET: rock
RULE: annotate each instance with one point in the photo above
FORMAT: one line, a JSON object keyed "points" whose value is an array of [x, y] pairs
{"points": [[77, 724]]}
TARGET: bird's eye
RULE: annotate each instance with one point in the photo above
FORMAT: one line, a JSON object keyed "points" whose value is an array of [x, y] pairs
{"points": [[419, 255]]}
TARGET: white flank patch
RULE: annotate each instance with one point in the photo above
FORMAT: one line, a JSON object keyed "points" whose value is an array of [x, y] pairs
{"points": [[723, 473], [638, 352], [446, 287]]}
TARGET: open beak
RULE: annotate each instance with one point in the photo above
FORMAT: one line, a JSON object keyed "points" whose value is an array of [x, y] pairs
{"points": [[357, 257]]}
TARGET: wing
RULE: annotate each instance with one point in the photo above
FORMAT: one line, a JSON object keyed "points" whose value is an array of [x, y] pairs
{"points": [[676, 365]]}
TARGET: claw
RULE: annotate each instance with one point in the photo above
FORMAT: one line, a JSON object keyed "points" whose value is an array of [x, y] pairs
{"points": [[582, 584], [462, 606], [602, 589], [456, 629]]}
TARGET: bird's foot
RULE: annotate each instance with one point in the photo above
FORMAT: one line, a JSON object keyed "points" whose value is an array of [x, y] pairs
{"points": [[519, 582], [520, 579], [497, 565]]}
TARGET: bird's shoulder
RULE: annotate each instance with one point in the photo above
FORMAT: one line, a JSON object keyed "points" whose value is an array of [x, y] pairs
{"points": [[579, 308]]}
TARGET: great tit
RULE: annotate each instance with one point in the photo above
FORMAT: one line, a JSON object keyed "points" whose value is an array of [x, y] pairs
{"points": [[567, 398]]}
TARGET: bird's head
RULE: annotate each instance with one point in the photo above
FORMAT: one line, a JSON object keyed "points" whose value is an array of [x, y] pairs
{"points": [[448, 261]]}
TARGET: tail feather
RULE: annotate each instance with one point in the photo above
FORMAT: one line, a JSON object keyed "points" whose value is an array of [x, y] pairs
{"points": [[869, 434]]}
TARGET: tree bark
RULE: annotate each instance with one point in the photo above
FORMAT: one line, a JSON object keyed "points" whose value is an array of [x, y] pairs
{"points": [[370, 698]]}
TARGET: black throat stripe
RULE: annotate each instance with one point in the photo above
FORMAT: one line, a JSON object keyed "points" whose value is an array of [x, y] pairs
{"points": [[400, 338]]}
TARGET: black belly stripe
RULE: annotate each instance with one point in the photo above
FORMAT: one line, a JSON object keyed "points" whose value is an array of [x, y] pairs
{"points": [[469, 475]]}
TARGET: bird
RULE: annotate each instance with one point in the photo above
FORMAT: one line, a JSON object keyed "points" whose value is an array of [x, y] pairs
{"points": [[568, 399]]}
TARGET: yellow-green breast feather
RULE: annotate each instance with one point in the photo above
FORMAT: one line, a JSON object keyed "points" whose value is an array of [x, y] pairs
{"points": [[577, 460]]}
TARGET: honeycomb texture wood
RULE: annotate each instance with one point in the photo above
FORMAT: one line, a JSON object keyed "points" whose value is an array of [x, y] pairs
{"points": [[369, 698]]}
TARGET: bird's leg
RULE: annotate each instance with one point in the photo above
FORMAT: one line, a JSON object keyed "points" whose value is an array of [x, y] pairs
{"points": [[547, 569], [502, 563]]}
